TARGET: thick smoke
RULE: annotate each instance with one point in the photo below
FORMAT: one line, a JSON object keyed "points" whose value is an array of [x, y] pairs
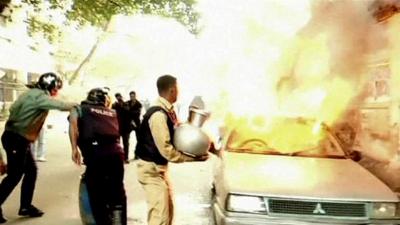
{"points": [[351, 35], [259, 58], [349, 26]]}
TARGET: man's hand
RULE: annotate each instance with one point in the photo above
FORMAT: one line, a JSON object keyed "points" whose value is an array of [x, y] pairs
{"points": [[201, 158], [212, 149], [76, 157], [193, 158], [3, 167]]}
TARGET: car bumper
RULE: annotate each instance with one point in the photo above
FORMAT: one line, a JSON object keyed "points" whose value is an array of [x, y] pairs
{"points": [[228, 218]]}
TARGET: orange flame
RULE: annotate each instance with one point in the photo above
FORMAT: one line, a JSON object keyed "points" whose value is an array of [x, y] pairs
{"points": [[261, 59]]}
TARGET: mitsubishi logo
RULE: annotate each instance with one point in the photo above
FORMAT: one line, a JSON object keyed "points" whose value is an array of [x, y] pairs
{"points": [[318, 209]]}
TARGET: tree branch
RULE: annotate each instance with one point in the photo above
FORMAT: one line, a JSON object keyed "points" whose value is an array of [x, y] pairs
{"points": [[86, 60]]}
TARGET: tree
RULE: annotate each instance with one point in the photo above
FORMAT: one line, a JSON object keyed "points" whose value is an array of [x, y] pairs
{"points": [[99, 12], [44, 16]]}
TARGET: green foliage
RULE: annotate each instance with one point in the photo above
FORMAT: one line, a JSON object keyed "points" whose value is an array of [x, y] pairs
{"points": [[50, 31], [41, 13], [98, 12]]}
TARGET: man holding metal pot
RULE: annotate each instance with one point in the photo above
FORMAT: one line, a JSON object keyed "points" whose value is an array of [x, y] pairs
{"points": [[155, 149]]}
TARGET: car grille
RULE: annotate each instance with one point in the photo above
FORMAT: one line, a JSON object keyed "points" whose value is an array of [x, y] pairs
{"points": [[330, 209]]}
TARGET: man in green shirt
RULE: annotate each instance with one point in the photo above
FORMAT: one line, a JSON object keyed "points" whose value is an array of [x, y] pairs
{"points": [[27, 115]]}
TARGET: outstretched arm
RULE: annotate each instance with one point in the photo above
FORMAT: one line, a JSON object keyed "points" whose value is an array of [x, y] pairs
{"points": [[48, 103]]}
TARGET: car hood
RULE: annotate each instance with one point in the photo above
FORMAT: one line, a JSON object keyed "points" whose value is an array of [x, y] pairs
{"points": [[302, 177]]}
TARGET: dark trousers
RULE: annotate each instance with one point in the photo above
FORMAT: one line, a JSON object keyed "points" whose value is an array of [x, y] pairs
{"points": [[125, 142], [104, 177], [20, 163]]}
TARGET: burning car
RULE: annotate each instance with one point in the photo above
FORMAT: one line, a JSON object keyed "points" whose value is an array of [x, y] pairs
{"points": [[295, 172]]}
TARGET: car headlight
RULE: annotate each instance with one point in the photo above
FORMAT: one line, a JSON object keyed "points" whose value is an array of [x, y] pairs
{"points": [[245, 203], [383, 210]]}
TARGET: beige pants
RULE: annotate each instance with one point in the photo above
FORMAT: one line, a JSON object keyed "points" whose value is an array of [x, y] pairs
{"points": [[155, 183]]}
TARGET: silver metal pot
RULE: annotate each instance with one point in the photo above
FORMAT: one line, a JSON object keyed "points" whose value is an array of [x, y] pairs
{"points": [[189, 138]]}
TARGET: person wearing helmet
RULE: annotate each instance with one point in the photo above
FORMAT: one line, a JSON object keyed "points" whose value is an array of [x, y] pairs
{"points": [[27, 115], [94, 136]]}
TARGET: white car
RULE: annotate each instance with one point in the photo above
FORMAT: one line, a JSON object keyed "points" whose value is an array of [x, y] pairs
{"points": [[257, 184]]}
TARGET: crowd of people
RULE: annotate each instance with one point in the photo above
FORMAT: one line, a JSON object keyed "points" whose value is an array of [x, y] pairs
{"points": [[96, 127]]}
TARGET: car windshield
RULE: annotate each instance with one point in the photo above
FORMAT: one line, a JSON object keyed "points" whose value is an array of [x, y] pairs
{"points": [[291, 137]]}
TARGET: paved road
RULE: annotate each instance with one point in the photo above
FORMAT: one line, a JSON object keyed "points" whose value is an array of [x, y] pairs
{"points": [[57, 187], [58, 181]]}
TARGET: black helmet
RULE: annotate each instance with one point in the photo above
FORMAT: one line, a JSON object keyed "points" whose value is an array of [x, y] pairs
{"points": [[49, 81], [98, 96]]}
